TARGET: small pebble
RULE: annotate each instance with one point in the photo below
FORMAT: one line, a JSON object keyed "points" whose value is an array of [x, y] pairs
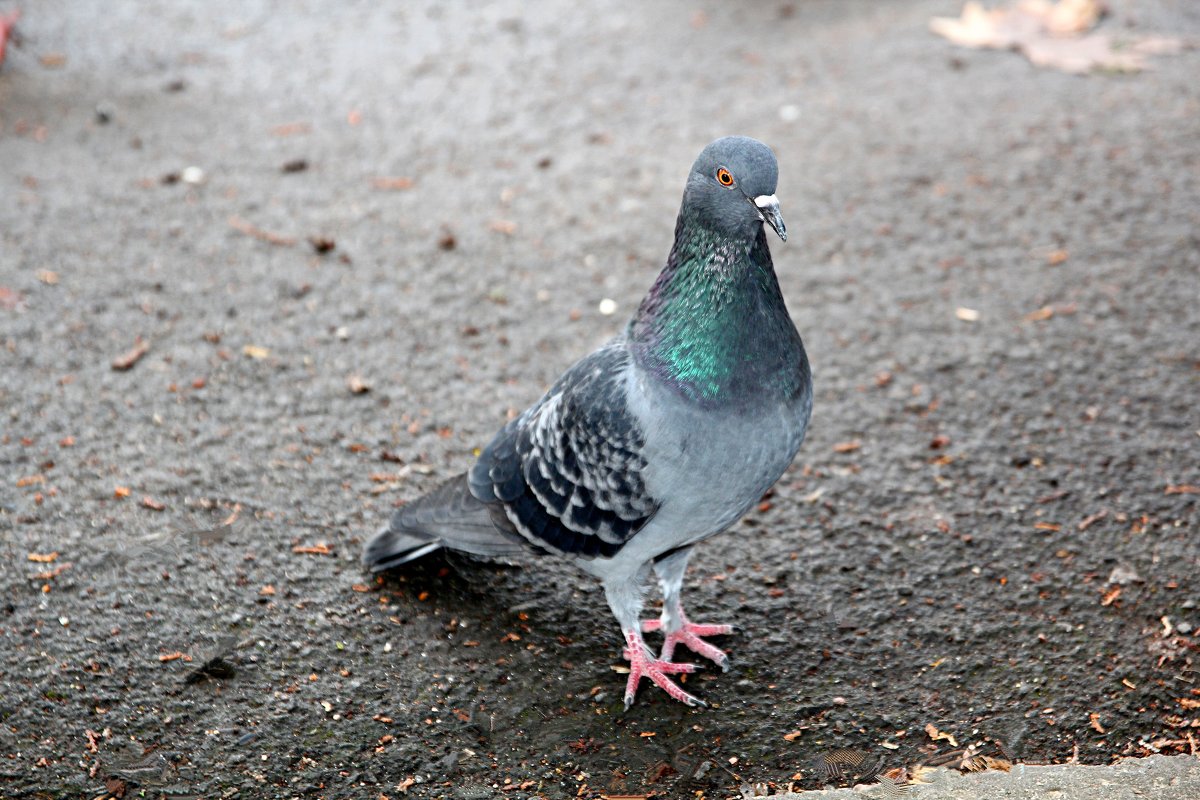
{"points": [[193, 176]]}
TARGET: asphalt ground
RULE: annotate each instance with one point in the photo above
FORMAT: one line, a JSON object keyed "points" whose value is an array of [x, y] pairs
{"points": [[267, 272]]}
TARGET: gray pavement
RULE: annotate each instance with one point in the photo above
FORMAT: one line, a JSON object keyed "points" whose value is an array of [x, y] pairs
{"points": [[332, 246], [1152, 778]]}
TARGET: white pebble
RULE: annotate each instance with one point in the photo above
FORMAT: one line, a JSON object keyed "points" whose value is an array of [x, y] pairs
{"points": [[193, 176], [608, 306]]}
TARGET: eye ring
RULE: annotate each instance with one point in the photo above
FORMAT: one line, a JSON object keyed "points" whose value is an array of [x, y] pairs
{"points": [[724, 177]]}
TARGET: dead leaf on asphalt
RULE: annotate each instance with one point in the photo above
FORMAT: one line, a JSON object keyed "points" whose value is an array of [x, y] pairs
{"points": [[936, 735], [242, 226], [1056, 35], [126, 360]]}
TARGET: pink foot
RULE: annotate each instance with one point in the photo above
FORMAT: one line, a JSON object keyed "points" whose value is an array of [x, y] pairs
{"points": [[7, 23], [642, 664], [689, 636]]}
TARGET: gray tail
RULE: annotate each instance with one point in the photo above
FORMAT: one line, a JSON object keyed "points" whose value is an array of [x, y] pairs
{"points": [[448, 517]]}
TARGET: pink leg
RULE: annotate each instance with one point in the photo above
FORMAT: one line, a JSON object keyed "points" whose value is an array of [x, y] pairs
{"points": [[642, 664], [688, 634]]}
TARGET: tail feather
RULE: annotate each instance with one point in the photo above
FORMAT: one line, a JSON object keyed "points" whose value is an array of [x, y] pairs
{"points": [[450, 517]]}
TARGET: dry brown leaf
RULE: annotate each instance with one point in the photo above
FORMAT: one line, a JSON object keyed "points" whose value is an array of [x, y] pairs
{"points": [[1095, 723], [152, 504], [242, 226], [130, 357], [1042, 314], [936, 735], [1110, 596], [1056, 35], [1182, 489], [393, 184], [43, 558], [318, 549], [847, 447]]}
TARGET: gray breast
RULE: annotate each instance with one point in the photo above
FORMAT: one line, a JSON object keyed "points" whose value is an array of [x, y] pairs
{"points": [[709, 466]]}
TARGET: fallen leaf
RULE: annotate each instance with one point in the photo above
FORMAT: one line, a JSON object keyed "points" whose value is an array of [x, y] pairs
{"points": [[318, 549], [936, 735], [254, 351], [1182, 489], [1056, 35], [1056, 257], [152, 504], [43, 558], [267, 591], [847, 447], [1110, 596], [11, 300], [291, 129], [30, 480], [793, 736], [242, 226], [130, 357], [1095, 723], [1191, 704], [174, 656], [121, 492], [1047, 526], [393, 184], [1042, 314], [50, 574]]}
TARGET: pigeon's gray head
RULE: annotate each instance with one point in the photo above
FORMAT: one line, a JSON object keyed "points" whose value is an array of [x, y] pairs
{"points": [[731, 188]]}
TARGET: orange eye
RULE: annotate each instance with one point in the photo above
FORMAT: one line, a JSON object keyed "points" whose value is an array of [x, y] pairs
{"points": [[724, 178]]}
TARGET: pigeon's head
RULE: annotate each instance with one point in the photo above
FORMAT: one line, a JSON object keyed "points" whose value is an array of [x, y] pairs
{"points": [[732, 188]]}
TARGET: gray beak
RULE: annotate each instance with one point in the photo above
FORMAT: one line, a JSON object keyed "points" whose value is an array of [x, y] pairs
{"points": [[768, 209]]}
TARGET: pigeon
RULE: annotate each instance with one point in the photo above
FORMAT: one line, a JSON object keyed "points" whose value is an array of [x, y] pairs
{"points": [[661, 438]]}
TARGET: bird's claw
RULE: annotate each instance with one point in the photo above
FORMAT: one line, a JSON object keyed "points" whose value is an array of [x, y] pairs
{"points": [[644, 665], [689, 636]]}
